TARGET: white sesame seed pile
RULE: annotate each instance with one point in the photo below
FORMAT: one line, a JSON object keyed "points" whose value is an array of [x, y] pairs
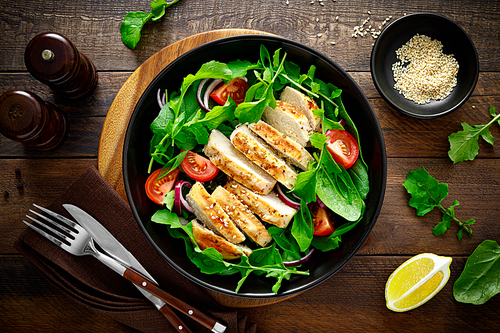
{"points": [[423, 72]]}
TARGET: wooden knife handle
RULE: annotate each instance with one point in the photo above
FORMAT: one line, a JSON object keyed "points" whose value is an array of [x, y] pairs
{"points": [[171, 300], [173, 319]]}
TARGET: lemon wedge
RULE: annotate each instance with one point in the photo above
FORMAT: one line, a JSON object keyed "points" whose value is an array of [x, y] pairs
{"points": [[416, 281]]}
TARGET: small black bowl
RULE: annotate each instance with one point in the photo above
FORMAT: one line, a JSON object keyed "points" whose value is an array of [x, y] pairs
{"points": [[455, 41], [136, 158]]}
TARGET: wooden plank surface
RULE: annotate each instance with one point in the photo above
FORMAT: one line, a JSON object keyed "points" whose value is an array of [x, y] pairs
{"points": [[93, 26], [350, 301]]}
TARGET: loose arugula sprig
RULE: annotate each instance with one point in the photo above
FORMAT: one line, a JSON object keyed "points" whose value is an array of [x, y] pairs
{"points": [[464, 144], [426, 194], [133, 22]]}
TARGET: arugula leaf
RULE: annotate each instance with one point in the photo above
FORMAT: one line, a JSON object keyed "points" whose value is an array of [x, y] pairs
{"points": [[303, 227], [426, 194], [493, 113], [480, 279], [133, 22], [464, 144], [280, 237]]}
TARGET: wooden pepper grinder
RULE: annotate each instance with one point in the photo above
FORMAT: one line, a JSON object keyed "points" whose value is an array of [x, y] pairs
{"points": [[53, 60], [26, 118]]}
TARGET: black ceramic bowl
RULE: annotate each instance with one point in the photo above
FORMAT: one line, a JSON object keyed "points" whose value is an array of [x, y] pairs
{"points": [[455, 41], [136, 159]]}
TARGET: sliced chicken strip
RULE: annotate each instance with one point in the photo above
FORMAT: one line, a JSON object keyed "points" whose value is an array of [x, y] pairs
{"points": [[236, 165], [289, 121], [304, 104], [212, 215], [263, 155], [242, 216], [268, 207], [289, 149], [206, 238]]}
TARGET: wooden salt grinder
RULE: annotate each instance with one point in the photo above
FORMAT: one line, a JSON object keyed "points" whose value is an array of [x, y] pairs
{"points": [[26, 118], [53, 60]]}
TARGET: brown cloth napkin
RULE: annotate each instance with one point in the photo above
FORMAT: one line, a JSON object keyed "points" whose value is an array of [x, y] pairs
{"points": [[98, 288]]}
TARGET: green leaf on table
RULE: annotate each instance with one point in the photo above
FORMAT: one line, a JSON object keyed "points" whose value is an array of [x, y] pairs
{"points": [[480, 279], [464, 145], [133, 22], [426, 194]]}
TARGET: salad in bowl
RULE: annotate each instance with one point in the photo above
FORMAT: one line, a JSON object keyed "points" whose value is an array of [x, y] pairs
{"points": [[256, 170]]}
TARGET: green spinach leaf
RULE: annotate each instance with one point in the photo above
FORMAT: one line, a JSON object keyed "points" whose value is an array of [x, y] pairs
{"points": [[480, 279]]}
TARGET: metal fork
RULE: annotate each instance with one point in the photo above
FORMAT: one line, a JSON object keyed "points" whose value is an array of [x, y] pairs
{"points": [[72, 238]]}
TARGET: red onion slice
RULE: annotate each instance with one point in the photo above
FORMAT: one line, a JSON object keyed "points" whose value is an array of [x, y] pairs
{"points": [[180, 202], [321, 203], [301, 261], [342, 122], [289, 202], [209, 90], [159, 99], [203, 106]]}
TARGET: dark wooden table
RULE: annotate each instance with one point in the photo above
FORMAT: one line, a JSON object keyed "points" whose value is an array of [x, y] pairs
{"points": [[353, 299]]}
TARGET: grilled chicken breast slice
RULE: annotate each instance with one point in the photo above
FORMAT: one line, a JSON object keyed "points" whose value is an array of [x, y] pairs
{"points": [[206, 238], [304, 104], [236, 165], [242, 216], [268, 207], [263, 155], [289, 149], [289, 121], [212, 215]]}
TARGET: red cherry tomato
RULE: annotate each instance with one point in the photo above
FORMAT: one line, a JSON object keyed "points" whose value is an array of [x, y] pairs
{"points": [[343, 147], [236, 88], [324, 223], [156, 189], [198, 167]]}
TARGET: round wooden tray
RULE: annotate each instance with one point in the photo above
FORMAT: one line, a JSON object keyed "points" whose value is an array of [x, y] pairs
{"points": [[109, 156]]}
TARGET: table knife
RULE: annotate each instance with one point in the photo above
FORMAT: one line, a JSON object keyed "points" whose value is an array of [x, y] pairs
{"points": [[128, 266]]}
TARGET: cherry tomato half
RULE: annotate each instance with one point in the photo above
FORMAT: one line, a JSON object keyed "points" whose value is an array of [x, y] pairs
{"points": [[324, 223], [198, 167], [156, 189], [236, 88], [343, 147]]}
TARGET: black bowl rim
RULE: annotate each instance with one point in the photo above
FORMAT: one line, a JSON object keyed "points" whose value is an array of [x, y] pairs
{"points": [[388, 99], [369, 227]]}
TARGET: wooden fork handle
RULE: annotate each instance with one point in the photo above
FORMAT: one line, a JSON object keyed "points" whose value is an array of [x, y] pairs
{"points": [[172, 317], [173, 301]]}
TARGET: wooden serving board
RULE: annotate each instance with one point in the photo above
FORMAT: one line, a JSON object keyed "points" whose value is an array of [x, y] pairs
{"points": [[109, 157]]}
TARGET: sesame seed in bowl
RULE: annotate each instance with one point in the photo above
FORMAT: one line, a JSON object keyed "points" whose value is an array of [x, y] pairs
{"points": [[424, 65]]}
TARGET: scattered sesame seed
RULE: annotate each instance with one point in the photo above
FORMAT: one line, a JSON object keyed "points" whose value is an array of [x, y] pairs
{"points": [[336, 18], [473, 106], [319, 35], [369, 12], [333, 43]]}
